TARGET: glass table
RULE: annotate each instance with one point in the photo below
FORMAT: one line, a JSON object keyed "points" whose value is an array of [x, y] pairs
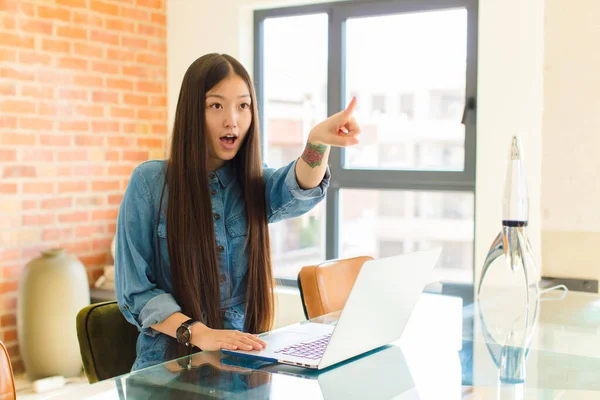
{"points": [[490, 349]]}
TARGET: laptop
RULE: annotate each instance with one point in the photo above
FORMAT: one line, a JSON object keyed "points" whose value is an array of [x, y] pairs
{"points": [[376, 312]]}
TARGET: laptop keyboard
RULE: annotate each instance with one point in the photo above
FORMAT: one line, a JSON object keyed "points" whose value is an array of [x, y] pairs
{"points": [[312, 350]]}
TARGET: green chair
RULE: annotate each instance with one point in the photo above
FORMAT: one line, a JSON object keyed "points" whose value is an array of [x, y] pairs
{"points": [[107, 342]]}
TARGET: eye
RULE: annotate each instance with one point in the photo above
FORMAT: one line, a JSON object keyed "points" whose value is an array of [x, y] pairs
{"points": [[216, 105], [244, 106]]}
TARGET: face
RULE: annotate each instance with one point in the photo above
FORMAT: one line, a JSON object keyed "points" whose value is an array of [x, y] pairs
{"points": [[228, 118]]}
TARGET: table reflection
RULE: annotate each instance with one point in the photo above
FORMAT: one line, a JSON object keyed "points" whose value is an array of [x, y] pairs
{"points": [[198, 376], [382, 373]]}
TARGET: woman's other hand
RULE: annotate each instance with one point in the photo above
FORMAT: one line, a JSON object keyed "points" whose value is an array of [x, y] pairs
{"points": [[209, 339]]}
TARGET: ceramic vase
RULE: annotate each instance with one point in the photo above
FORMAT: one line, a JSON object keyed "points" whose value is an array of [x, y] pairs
{"points": [[53, 288]]}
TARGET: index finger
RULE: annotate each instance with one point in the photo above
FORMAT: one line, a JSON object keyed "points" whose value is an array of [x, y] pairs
{"points": [[257, 339], [250, 339], [350, 108]]}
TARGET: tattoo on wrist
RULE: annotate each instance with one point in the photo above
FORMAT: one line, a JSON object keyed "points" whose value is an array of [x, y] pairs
{"points": [[313, 154]]}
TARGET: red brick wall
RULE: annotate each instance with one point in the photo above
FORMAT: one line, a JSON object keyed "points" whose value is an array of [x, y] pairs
{"points": [[82, 102]]}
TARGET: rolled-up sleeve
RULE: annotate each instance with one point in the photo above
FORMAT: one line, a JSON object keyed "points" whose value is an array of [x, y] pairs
{"points": [[142, 303], [284, 196]]}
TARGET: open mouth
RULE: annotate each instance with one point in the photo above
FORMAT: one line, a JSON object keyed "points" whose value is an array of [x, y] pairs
{"points": [[229, 139]]}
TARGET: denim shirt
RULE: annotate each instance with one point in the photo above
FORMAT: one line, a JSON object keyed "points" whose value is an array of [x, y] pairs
{"points": [[143, 285]]}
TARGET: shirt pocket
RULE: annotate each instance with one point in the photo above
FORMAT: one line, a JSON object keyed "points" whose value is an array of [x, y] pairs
{"points": [[237, 226]]}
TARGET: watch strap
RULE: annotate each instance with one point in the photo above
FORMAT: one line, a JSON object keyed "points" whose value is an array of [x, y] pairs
{"points": [[188, 323]]}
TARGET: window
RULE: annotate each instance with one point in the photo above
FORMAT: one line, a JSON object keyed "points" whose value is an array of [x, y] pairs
{"points": [[295, 62], [410, 183], [393, 155], [389, 248], [446, 104], [375, 222], [378, 104], [407, 106], [392, 203]]}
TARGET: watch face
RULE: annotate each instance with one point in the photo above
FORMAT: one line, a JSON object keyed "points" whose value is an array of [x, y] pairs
{"points": [[183, 335]]}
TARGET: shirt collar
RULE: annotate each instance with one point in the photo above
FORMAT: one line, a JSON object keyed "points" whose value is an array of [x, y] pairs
{"points": [[225, 174]]}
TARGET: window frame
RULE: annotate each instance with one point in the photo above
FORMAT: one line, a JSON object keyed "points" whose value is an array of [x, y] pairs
{"points": [[380, 179]]}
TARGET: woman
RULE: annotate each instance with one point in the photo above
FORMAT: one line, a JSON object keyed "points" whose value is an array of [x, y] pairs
{"points": [[193, 262]]}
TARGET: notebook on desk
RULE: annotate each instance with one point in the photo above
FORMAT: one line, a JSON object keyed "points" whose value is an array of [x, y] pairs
{"points": [[376, 312]]}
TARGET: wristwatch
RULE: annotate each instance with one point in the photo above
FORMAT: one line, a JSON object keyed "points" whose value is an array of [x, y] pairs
{"points": [[184, 332]]}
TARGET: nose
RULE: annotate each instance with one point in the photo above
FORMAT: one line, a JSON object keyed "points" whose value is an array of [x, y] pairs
{"points": [[231, 118]]}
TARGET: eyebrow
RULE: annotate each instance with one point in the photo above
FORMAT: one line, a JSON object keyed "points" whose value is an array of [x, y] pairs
{"points": [[222, 97]]}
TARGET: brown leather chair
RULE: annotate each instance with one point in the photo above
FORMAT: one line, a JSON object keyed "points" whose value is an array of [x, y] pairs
{"points": [[7, 380], [324, 288]]}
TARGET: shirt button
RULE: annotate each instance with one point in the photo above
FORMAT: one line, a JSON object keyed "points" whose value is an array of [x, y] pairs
{"points": [[211, 175], [222, 278], [213, 192], [221, 249], [217, 217]]}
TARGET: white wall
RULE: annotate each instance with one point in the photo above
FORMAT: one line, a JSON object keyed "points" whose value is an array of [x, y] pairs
{"points": [[571, 167], [194, 28]]}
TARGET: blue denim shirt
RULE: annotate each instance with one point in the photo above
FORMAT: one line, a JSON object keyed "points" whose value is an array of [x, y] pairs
{"points": [[143, 286]]}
